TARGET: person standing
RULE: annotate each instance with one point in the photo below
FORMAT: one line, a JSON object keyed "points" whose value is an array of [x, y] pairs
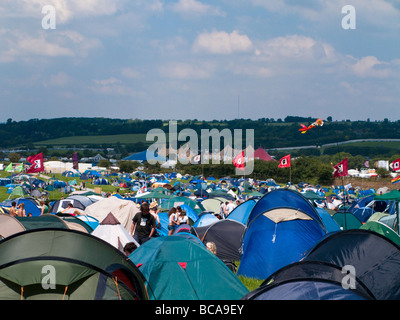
{"points": [[143, 224], [13, 209], [21, 210]]}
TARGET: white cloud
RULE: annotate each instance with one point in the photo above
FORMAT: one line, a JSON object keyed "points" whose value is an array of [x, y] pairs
{"points": [[112, 86], [370, 66], [221, 42], [193, 7], [293, 46], [17, 44], [66, 10], [181, 70]]}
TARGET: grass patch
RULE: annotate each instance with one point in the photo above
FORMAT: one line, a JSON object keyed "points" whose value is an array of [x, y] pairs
{"points": [[250, 284], [106, 139]]}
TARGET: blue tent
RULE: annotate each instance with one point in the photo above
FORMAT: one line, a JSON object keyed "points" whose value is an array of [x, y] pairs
{"points": [[308, 281], [205, 220], [145, 156], [190, 213], [101, 181], [282, 226], [329, 223], [241, 212]]}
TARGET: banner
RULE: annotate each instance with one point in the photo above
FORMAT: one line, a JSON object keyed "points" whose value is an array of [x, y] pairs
{"points": [[239, 162], [19, 167], [396, 180], [75, 161], [9, 167], [284, 162], [37, 163], [395, 165], [340, 170]]}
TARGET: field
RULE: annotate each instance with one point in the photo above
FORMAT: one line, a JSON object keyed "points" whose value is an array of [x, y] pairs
{"points": [[87, 140]]}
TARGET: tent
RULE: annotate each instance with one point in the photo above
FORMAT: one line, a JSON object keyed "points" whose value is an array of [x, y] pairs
{"points": [[97, 271], [145, 156], [329, 223], [382, 229], [101, 181], [17, 192], [31, 206], [241, 212], [176, 268], [205, 219], [213, 205], [177, 201], [78, 202], [227, 236], [346, 220], [282, 226], [111, 231], [49, 221], [308, 280], [261, 154], [375, 259], [123, 210], [9, 226]]}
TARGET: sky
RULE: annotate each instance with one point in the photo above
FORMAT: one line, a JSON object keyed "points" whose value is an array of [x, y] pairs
{"points": [[198, 59]]}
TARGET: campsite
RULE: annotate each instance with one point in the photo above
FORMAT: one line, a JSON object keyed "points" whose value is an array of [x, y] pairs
{"points": [[293, 241]]}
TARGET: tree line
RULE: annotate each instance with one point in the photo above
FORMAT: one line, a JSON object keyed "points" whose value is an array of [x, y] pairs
{"points": [[268, 133]]}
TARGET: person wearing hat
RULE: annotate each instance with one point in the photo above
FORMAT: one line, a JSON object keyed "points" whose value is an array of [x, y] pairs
{"points": [[154, 211]]}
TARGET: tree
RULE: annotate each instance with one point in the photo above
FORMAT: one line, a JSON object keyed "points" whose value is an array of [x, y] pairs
{"points": [[14, 157]]}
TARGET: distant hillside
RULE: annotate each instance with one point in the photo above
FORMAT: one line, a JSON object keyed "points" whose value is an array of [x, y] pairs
{"points": [[269, 133]]}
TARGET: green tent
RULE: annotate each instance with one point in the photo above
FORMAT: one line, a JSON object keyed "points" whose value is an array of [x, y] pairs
{"points": [[56, 264], [153, 195], [382, 229], [346, 220], [17, 192], [178, 201], [178, 268], [395, 196], [43, 221]]}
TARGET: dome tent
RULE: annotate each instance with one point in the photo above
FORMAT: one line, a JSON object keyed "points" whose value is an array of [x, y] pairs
{"points": [[281, 227], [95, 272], [374, 257], [308, 280], [177, 268]]}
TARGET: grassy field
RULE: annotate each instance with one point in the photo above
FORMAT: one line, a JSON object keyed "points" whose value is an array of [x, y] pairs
{"points": [[86, 140]]}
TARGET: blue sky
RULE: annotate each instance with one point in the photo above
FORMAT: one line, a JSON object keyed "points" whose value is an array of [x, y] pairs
{"points": [[189, 59]]}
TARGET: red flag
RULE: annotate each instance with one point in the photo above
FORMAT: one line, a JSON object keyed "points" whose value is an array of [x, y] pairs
{"points": [[396, 165], [340, 170], [238, 162], [37, 163], [284, 162]]}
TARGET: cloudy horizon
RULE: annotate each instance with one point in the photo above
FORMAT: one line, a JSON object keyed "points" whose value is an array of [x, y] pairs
{"points": [[206, 60]]}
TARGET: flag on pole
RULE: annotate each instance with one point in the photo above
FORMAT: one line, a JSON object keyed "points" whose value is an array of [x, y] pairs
{"points": [[9, 167], [239, 162], [396, 180], [75, 161], [19, 167], [340, 170], [37, 163], [395, 165], [284, 162]]}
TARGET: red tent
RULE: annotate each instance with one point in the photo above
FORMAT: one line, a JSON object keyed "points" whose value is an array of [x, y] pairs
{"points": [[261, 154]]}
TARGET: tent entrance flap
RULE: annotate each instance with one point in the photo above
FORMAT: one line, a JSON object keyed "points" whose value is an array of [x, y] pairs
{"points": [[286, 214]]}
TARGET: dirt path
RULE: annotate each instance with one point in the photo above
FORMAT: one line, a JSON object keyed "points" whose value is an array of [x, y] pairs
{"points": [[367, 183]]}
